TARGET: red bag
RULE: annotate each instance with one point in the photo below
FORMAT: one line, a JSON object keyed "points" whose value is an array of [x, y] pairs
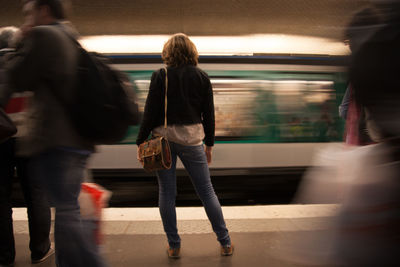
{"points": [[92, 199]]}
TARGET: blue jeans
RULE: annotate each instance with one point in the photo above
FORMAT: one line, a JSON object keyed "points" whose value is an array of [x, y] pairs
{"points": [[61, 172], [195, 162]]}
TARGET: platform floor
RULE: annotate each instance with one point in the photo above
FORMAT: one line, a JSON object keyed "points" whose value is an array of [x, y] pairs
{"points": [[134, 237]]}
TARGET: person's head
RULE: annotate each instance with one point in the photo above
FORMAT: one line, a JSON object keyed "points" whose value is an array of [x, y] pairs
{"points": [[180, 50], [361, 26], [390, 10], [7, 35], [43, 12]]}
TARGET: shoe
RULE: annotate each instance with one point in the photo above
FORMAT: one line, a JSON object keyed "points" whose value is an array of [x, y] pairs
{"points": [[174, 253], [227, 250], [46, 256]]}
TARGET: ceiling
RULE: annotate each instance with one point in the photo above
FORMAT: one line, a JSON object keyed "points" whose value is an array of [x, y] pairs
{"points": [[320, 18]]}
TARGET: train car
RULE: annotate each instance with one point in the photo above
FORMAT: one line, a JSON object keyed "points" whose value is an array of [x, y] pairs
{"points": [[273, 105], [271, 111]]}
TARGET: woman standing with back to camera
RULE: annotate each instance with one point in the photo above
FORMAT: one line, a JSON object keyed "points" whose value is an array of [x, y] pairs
{"points": [[190, 119]]}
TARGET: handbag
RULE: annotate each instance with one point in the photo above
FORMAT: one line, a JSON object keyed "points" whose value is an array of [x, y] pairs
{"points": [[7, 127], [92, 199], [155, 153]]}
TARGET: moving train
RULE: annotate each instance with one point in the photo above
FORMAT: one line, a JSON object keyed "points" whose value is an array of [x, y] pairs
{"points": [[272, 110]]}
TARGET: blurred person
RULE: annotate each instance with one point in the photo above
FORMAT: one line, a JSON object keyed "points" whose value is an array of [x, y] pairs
{"points": [[46, 63], [369, 232], [363, 180], [362, 25], [378, 58], [190, 119], [37, 205], [363, 229]]}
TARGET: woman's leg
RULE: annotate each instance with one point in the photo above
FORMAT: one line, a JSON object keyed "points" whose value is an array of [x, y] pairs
{"points": [[195, 162], [166, 201]]}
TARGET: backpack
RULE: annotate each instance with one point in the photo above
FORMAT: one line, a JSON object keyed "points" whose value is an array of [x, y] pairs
{"points": [[104, 102]]}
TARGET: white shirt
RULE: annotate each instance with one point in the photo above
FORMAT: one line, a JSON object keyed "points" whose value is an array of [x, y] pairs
{"points": [[187, 135]]}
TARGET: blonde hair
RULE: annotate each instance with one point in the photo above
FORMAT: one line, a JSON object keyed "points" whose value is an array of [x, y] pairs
{"points": [[180, 50]]}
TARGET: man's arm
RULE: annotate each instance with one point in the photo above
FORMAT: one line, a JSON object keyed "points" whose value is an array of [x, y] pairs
{"points": [[24, 67]]}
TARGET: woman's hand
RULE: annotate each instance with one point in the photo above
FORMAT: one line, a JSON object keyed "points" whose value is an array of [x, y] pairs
{"points": [[208, 150]]}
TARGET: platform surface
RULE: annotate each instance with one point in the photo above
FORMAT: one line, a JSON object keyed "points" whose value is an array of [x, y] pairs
{"points": [[134, 236]]}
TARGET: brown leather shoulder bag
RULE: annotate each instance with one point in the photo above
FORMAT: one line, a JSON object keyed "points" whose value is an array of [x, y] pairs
{"points": [[155, 153]]}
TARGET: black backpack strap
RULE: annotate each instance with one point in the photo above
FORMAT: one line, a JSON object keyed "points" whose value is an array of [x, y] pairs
{"points": [[69, 35]]}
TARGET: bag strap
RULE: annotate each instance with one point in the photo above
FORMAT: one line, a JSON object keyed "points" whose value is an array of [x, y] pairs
{"points": [[69, 35], [165, 99]]}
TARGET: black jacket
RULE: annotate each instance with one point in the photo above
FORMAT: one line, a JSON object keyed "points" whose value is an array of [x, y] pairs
{"points": [[190, 101], [46, 62]]}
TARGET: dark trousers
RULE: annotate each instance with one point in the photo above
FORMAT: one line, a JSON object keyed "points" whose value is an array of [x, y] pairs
{"points": [[36, 202]]}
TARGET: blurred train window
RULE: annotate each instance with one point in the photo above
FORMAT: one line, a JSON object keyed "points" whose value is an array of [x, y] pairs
{"points": [[267, 106]]}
